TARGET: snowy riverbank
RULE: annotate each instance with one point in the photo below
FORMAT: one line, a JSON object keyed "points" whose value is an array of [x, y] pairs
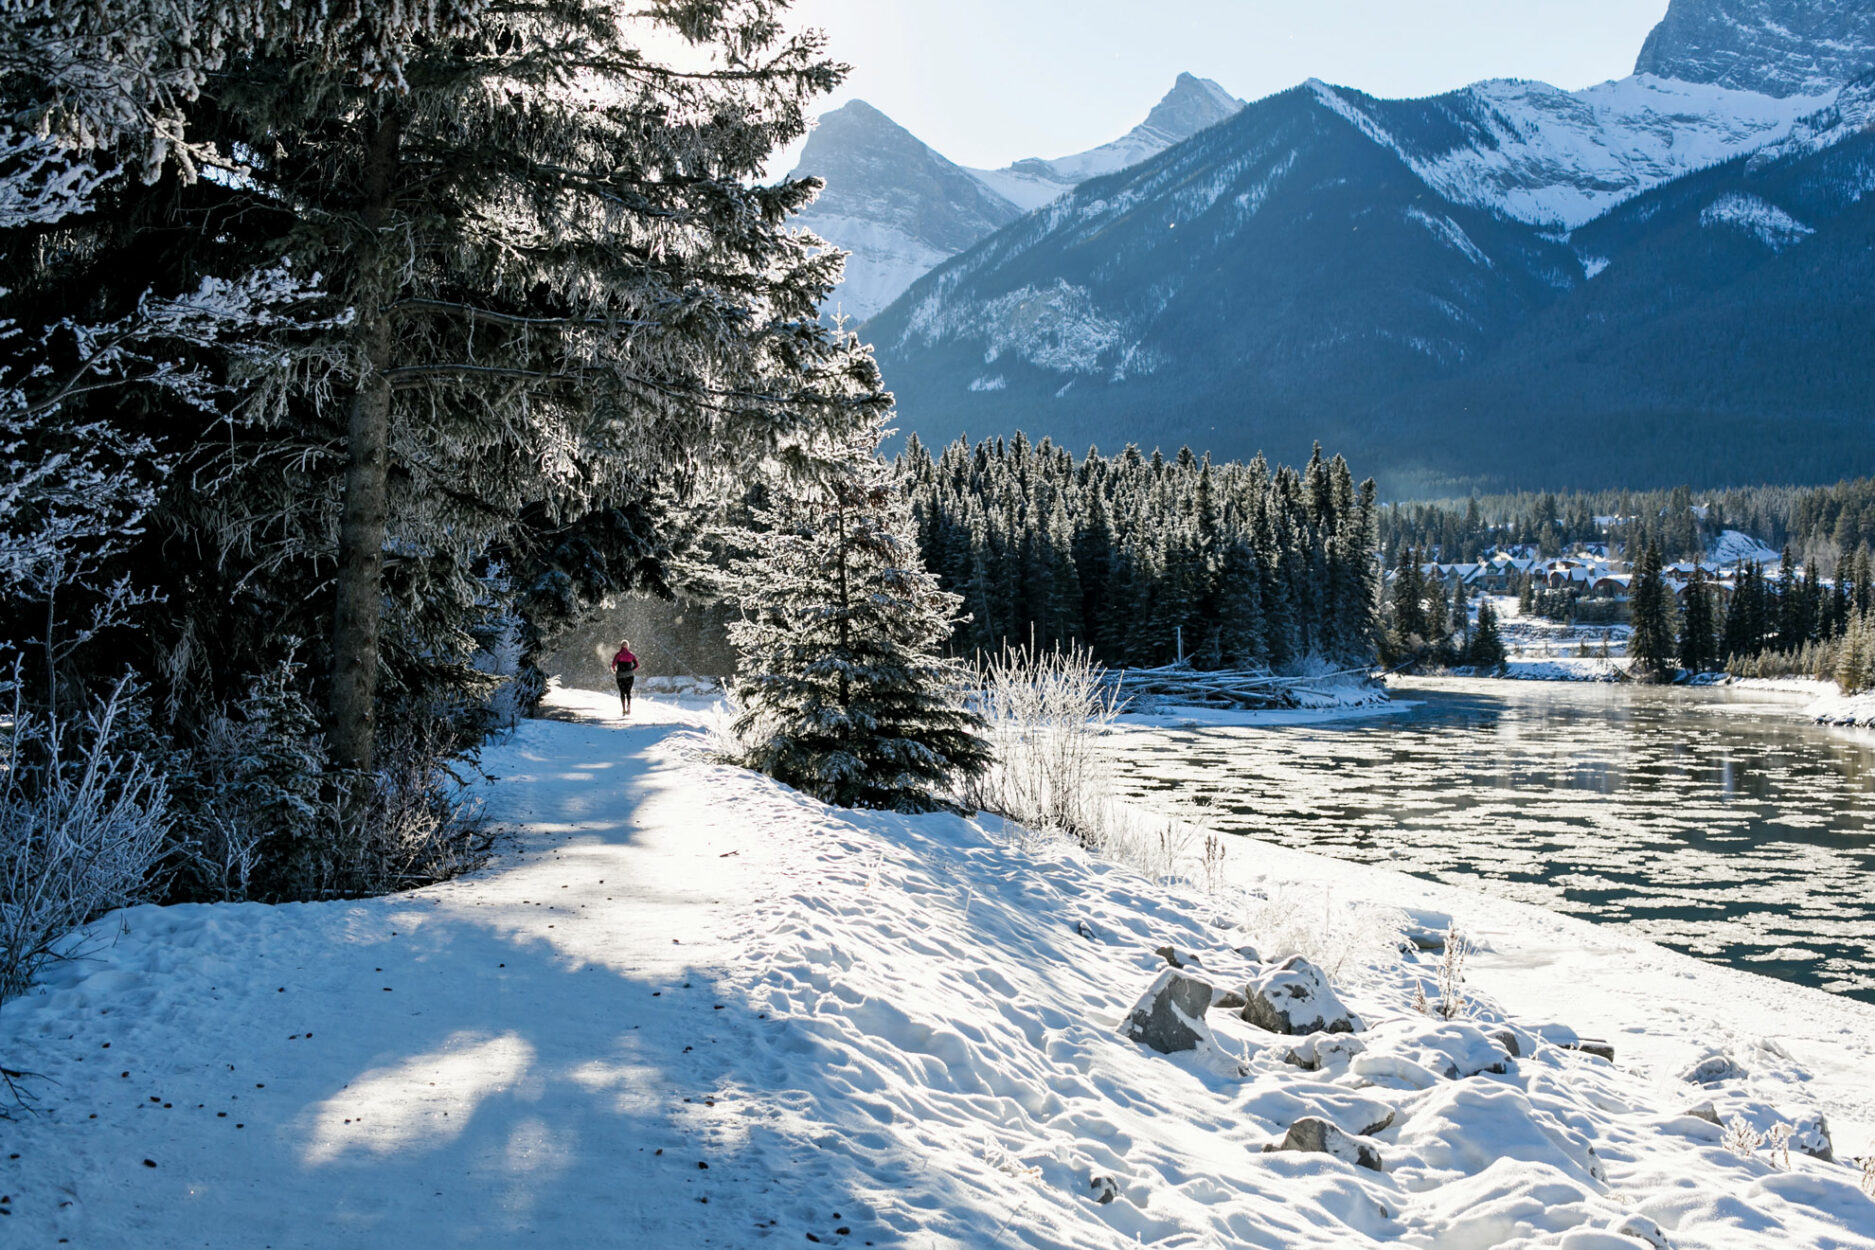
{"points": [[690, 1008]]}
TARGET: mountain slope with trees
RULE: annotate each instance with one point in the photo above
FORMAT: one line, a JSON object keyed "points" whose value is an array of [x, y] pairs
{"points": [[1319, 266]]}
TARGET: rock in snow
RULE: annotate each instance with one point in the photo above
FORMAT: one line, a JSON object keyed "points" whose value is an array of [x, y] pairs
{"points": [[1317, 1051], [1169, 1018], [1178, 958], [1713, 1068], [1320, 1137], [1294, 997], [1227, 1000]]}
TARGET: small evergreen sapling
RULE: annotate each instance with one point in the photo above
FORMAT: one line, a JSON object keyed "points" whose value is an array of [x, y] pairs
{"points": [[843, 690], [1486, 649]]}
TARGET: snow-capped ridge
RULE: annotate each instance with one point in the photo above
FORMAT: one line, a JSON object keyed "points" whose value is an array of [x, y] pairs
{"points": [[1545, 156], [1192, 105]]}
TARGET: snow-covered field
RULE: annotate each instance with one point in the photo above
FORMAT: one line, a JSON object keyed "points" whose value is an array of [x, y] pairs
{"points": [[688, 1007]]}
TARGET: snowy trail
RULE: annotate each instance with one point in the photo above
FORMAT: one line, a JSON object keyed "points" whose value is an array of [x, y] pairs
{"points": [[503, 1054], [872, 1030]]}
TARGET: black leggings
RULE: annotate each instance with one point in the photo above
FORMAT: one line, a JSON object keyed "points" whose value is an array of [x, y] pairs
{"points": [[625, 686]]}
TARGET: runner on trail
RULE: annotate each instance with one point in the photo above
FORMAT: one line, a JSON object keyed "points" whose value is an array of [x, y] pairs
{"points": [[624, 665]]}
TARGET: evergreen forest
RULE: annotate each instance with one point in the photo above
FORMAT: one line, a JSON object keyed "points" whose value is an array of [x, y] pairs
{"points": [[1820, 525], [1146, 559]]}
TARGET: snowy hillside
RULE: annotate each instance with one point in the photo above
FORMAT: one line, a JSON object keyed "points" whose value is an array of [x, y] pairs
{"points": [[687, 1007]]}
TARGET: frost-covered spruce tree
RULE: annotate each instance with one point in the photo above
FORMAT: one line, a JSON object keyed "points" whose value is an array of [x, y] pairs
{"points": [[843, 689]]}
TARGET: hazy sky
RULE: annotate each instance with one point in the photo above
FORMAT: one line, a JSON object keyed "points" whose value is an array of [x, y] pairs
{"points": [[987, 82]]}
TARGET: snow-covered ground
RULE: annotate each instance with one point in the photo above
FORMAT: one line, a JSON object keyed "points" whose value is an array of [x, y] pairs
{"points": [[1544, 650], [688, 1007]]}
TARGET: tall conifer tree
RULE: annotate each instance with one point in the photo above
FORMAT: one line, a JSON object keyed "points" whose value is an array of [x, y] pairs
{"points": [[1651, 642]]}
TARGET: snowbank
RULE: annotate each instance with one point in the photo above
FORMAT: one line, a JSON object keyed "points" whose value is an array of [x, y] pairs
{"points": [[1847, 710], [689, 1007]]}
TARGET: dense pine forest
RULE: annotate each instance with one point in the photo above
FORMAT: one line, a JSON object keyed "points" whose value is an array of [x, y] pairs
{"points": [[1144, 559], [1820, 525]]}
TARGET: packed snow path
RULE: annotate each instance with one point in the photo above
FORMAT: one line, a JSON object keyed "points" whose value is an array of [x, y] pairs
{"points": [[691, 1008]]}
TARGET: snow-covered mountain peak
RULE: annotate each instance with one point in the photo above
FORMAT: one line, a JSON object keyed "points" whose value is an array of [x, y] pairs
{"points": [[1192, 104], [1774, 47], [899, 208], [894, 204]]}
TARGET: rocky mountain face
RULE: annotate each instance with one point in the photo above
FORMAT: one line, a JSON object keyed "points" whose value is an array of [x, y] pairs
{"points": [[899, 208], [896, 205], [1648, 282], [1774, 47]]}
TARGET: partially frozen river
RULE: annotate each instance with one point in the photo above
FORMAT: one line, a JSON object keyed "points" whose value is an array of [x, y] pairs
{"points": [[1716, 823]]}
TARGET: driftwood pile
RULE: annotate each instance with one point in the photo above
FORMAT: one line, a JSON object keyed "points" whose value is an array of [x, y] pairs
{"points": [[1181, 685]]}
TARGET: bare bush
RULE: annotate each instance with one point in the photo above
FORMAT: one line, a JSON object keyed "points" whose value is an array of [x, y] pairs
{"points": [[1212, 864], [1740, 1138], [265, 816], [1453, 1001], [83, 822]]}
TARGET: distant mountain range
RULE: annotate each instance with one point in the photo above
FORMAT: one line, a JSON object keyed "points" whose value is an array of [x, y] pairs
{"points": [[899, 208], [1666, 278]]}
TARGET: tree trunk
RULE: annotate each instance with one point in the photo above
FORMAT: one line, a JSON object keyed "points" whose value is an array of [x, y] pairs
{"points": [[367, 454]]}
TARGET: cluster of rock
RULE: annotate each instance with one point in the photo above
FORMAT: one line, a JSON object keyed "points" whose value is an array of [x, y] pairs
{"points": [[1293, 998]]}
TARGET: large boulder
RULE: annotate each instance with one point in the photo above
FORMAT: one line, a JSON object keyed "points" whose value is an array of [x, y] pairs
{"points": [[1169, 1017], [1318, 1136], [1294, 998]]}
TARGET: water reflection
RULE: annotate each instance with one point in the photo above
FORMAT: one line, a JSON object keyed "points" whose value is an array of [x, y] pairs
{"points": [[1722, 826]]}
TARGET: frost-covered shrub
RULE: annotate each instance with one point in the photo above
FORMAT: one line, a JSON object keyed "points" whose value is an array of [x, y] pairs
{"points": [[501, 655], [1047, 714], [1336, 937], [255, 796], [1453, 1001], [266, 815], [418, 823], [84, 816]]}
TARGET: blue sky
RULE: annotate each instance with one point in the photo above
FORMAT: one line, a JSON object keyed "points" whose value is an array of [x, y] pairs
{"points": [[987, 82]]}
